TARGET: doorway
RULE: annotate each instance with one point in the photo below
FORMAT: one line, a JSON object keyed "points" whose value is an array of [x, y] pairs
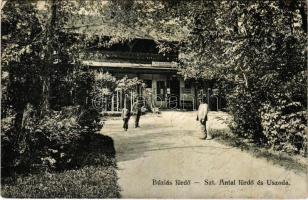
{"points": [[174, 93]]}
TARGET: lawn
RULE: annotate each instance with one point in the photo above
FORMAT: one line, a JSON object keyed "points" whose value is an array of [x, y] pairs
{"points": [[93, 176], [85, 182], [284, 159]]}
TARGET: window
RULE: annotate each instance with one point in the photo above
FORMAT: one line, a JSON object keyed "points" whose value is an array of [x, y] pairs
{"points": [[186, 90], [148, 83], [187, 87], [188, 84]]}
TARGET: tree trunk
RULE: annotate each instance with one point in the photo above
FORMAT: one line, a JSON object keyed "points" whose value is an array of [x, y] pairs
{"points": [[303, 13], [45, 94], [18, 120], [50, 40]]}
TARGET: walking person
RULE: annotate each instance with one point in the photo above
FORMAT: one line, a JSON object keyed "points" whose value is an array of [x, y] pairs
{"points": [[137, 109], [202, 116], [125, 116]]}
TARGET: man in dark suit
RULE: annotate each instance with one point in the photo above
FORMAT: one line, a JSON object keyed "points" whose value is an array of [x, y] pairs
{"points": [[125, 116], [137, 110]]}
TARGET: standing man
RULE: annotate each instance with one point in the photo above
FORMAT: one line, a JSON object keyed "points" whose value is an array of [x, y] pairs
{"points": [[137, 109], [125, 116], [202, 117]]}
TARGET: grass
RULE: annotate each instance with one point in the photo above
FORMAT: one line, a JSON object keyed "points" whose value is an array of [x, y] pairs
{"points": [[291, 162], [86, 182], [94, 176]]}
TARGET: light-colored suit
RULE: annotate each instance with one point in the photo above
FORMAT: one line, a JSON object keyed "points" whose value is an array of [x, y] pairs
{"points": [[202, 113], [202, 117]]}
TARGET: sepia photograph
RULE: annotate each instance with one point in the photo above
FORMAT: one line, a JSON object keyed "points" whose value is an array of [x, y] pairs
{"points": [[154, 99]]}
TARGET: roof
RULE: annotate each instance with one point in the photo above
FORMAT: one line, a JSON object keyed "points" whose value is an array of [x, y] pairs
{"points": [[153, 65]]}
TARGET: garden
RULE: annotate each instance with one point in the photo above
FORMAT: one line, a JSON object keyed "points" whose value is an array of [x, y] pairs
{"points": [[254, 53]]}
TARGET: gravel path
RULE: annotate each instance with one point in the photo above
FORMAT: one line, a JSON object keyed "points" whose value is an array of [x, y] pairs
{"points": [[167, 150]]}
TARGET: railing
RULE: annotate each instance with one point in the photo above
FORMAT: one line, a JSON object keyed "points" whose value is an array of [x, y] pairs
{"points": [[107, 55], [117, 101]]}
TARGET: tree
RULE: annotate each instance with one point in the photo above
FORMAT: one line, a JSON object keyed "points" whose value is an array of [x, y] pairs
{"points": [[20, 56], [38, 53], [36, 50], [255, 51]]}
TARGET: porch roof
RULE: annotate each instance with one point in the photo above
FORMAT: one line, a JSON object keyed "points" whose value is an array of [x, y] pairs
{"points": [[120, 65]]}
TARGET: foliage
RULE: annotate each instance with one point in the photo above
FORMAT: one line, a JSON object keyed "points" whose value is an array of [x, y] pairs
{"points": [[39, 58], [266, 67], [55, 142], [125, 84], [42, 75], [105, 84], [81, 183], [283, 159], [35, 55], [84, 87], [256, 48], [28, 150], [256, 52], [20, 28], [61, 140], [22, 81], [244, 107], [284, 126]]}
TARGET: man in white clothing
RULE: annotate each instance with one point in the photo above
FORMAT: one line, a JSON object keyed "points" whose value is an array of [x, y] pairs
{"points": [[202, 116]]}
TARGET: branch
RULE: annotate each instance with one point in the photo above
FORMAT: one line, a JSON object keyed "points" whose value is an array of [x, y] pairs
{"points": [[2, 4]]}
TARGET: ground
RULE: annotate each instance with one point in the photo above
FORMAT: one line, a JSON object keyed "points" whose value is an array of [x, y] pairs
{"points": [[168, 147]]}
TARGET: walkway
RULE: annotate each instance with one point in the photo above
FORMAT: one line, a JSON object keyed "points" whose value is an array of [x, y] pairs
{"points": [[167, 148]]}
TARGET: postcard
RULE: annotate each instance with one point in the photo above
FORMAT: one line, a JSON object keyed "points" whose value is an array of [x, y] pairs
{"points": [[154, 99]]}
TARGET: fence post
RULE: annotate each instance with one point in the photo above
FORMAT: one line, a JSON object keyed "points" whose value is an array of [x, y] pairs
{"points": [[131, 101], [183, 106], [193, 102], [217, 103], [125, 101], [112, 103], [117, 100], [208, 96]]}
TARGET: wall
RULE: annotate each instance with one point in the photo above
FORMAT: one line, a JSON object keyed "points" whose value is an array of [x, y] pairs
{"points": [[185, 98], [188, 97]]}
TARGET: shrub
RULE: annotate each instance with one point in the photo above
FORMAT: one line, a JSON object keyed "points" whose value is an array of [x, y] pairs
{"points": [[84, 87], [90, 119], [8, 149], [69, 159], [42, 144], [55, 142], [247, 122], [284, 126]]}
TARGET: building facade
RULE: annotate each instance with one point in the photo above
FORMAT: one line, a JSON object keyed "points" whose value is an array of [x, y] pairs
{"points": [[164, 87]]}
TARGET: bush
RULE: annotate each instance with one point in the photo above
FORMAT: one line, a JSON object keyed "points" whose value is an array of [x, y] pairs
{"points": [[42, 144], [8, 148], [84, 88], [55, 142], [90, 119], [69, 159], [247, 122], [279, 124], [284, 126]]}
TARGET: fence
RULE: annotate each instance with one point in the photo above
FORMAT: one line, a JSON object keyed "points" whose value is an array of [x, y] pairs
{"points": [[117, 101]]}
